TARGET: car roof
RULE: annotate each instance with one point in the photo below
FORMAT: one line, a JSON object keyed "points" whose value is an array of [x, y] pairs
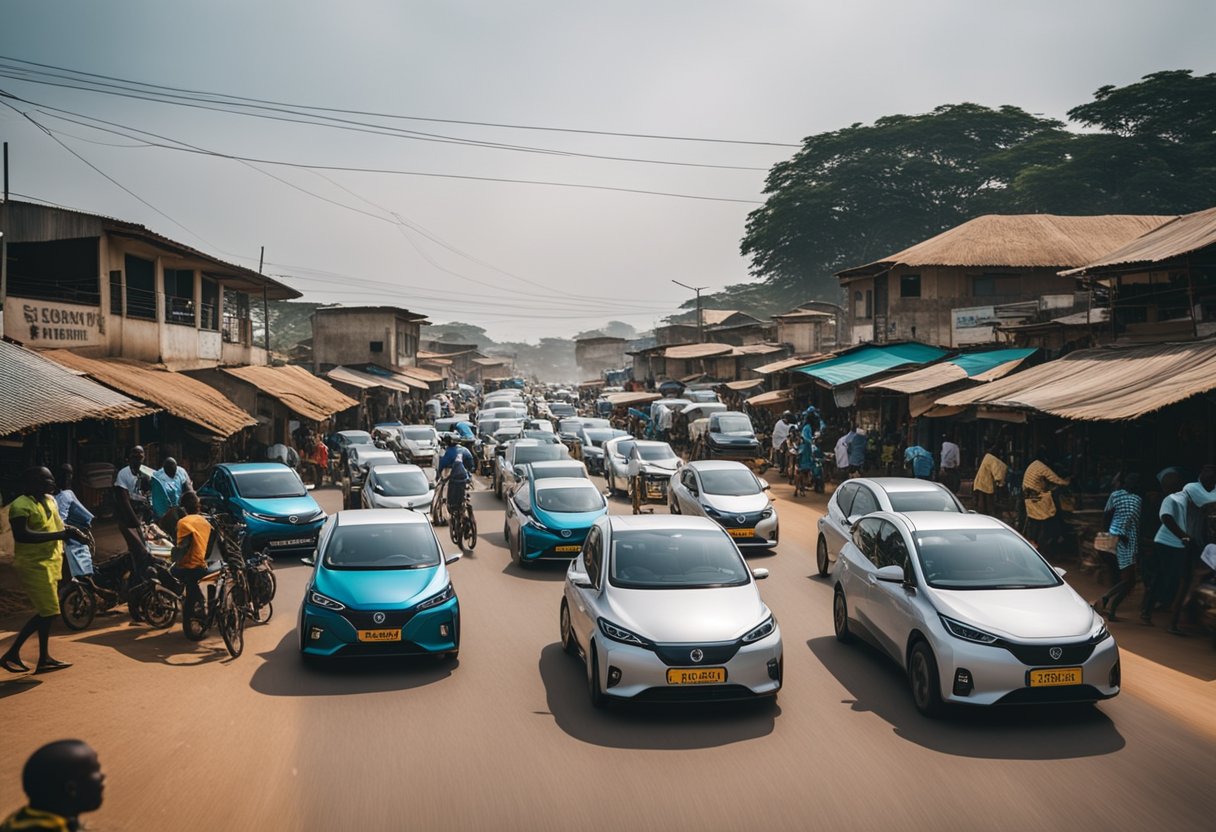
{"points": [[652, 443], [544, 464], [943, 520], [894, 485], [353, 433], [378, 517], [398, 468], [652, 522], [564, 482], [716, 465], [250, 467]]}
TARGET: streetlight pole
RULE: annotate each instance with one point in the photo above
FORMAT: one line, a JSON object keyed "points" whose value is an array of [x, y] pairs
{"points": [[700, 317]]}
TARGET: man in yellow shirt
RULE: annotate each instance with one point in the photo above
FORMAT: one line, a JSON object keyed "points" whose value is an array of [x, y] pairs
{"points": [[190, 555], [1042, 523], [988, 478]]}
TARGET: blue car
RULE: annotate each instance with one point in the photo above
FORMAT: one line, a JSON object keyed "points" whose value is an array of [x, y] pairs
{"points": [[270, 499], [379, 587], [548, 518]]}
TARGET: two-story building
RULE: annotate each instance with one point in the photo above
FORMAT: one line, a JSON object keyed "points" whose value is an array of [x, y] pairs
{"points": [[384, 336], [944, 290], [596, 354]]}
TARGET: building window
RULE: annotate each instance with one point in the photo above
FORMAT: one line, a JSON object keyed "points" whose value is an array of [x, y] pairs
{"points": [[209, 309], [179, 296], [860, 309], [67, 271], [238, 329], [376, 346], [141, 287], [116, 292], [995, 285], [909, 286], [869, 303]]}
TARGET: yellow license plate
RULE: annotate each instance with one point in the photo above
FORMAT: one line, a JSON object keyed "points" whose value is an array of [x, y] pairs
{"points": [[696, 675], [566, 548], [741, 532], [380, 635], [1054, 676]]}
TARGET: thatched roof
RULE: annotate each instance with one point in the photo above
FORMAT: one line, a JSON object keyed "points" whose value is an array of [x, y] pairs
{"points": [[1176, 238], [1019, 241]]}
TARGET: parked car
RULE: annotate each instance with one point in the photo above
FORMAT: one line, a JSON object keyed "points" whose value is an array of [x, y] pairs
{"points": [[379, 587], [859, 497], [397, 486], [729, 494], [664, 609], [548, 518], [971, 611], [518, 454], [270, 499], [657, 459]]}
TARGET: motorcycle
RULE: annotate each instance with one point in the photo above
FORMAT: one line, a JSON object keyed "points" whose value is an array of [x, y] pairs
{"points": [[134, 578]]}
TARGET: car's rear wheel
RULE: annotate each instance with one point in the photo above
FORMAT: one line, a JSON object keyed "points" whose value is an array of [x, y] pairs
{"points": [[923, 678], [594, 689], [568, 642], [840, 617], [821, 556]]}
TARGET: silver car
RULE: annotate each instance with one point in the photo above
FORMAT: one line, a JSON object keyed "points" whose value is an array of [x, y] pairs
{"points": [[657, 458], [665, 609], [971, 611], [858, 497], [729, 494], [397, 486]]}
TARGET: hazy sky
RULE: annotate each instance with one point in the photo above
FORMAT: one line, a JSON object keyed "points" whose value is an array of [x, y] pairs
{"points": [[523, 260]]}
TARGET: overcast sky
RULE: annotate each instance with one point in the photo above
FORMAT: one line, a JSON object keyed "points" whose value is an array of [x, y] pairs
{"points": [[523, 260]]}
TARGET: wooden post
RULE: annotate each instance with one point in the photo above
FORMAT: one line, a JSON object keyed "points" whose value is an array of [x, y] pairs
{"points": [[265, 307]]}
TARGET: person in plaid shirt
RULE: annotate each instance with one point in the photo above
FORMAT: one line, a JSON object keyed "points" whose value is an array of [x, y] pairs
{"points": [[1123, 510]]}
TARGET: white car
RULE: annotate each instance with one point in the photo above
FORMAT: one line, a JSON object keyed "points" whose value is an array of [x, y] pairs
{"points": [[971, 611], [657, 458], [729, 494], [416, 444], [397, 486], [665, 609], [856, 498], [360, 457]]}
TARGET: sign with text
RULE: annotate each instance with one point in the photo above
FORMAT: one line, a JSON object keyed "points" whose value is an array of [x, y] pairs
{"points": [[972, 325], [44, 323]]}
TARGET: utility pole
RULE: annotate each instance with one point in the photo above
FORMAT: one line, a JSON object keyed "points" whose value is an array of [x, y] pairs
{"points": [[4, 243], [700, 315], [265, 307]]}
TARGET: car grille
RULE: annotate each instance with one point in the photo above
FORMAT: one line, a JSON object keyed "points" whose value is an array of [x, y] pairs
{"points": [[732, 521], [362, 619], [694, 693], [677, 655], [1039, 655]]}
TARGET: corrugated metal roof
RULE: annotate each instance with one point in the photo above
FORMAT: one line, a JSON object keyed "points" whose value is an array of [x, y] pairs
{"points": [[299, 390], [422, 375], [790, 363], [631, 397], [35, 391], [979, 366], [1178, 237], [368, 381], [770, 399], [1106, 384], [745, 384], [184, 397], [688, 351], [864, 362], [757, 349]]}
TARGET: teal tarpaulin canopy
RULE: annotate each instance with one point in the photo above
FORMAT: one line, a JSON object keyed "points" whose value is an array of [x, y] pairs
{"points": [[981, 362], [870, 361]]}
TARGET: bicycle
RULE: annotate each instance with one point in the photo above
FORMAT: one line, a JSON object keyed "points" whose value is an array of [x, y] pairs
{"points": [[225, 604], [257, 567], [463, 526]]}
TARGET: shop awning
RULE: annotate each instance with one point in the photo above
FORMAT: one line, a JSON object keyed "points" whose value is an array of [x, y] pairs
{"points": [[630, 398], [976, 366], [370, 381], [425, 376], [176, 393], [790, 363], [745, 384], [1106, 384], [868, 361], [591, 384], [36, 392], [690, 351], [299, 390], [773, 398]]}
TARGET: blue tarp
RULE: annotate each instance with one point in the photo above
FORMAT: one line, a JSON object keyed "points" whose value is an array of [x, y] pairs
{"points": [[981, 362], [870, 361]]}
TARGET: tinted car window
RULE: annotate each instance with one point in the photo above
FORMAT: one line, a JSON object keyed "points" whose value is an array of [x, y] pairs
{"points": [[864, 503], [390, 546], [730, 483], [569, 499], [624, 448], [865, 537], [403, 483], [982, 559], [653, 453], [935, 500], [683, 559], [844, 497], [416, 434], [536, 453], [267, 485], [891, 551], [592, 556], [730, 424]]}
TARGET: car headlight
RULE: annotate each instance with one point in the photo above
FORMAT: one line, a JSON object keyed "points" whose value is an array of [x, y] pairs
{"points": [[325, 601], [966, 632], [710, 510], [767, 513], [1098, 631], [269, 518], [536, 524], [445, 594], [618, 633], [765, 629]]}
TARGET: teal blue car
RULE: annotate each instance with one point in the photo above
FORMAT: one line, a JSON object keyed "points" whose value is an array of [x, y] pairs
{"points": [[548, 518], [279, 514], [379, 587]]}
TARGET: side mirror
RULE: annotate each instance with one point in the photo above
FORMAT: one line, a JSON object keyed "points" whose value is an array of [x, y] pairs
{"points": [[378, 488], [452, 557], [1059, 571], [891, 574], [582, 582], [311, 560], [760, 573], [519, 470], [765, 485]]}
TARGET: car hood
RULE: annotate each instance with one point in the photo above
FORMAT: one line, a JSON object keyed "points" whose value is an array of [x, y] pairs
{"points": [[379, 589], [738, 437], [743, 504], [1054, 612], [418, 444], [304, 506], [668, 465], [573, 520], [687, 616], [385, 501]]}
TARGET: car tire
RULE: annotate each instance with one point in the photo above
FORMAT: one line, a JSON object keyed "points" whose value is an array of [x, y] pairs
{"points": [[513, 546], [840, 617], [594, 689], [569, 644], [673, 506], [821, 556], [924, 680], [498, 487]]}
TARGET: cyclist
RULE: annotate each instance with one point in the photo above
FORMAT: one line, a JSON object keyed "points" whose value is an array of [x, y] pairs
{"points": [[458, 483], [190, 555], [453, 450]]}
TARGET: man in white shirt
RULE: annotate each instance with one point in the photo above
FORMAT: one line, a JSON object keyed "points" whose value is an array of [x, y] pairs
{"points": [[781, 432], [842, 455], [131, 489], [950, 460]]}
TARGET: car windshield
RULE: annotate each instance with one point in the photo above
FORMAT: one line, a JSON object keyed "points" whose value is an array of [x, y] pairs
{"points": [[734, 424], [935, 500], [267, 485], [417, 434], [561, 409], [733, 482], [982, 559], [653, 453], [596, 423], [598, 436], [542, 471], [387, 546], [569, 425], [569, 499], [675, 559], [535, 453], [402, 483], [356, 437]]}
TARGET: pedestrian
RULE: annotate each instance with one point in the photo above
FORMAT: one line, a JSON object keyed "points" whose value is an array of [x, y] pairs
{"points": [[781, 432], [951, 459], [169, 483], [1200, 497], [1122, 519], [38, 536], [78, 555], [131, 488], [62, 780], [857, 452], [988, 478], [1042, 521], [920, 461], [1170, 547], [666, 418], [841, 452], [810, 462]]}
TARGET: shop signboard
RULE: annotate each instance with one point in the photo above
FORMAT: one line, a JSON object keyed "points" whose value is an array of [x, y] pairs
{"points": [[45, 324], [972, 325]]}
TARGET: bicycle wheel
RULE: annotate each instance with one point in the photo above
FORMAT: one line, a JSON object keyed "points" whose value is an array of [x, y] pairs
{"points": [[231, 623], [159, 608], [194, 620], [77, 606], [469, 527], [455, 524]]}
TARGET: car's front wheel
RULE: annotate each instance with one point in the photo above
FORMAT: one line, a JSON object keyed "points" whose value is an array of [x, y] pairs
{"points": [[922, 676], [821, 556], [594, 688], [569, 644], [840, 617]]}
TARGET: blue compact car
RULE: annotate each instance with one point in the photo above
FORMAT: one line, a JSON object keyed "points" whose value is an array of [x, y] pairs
{"points": [[270, 499], [379, 587], [547, 519]]}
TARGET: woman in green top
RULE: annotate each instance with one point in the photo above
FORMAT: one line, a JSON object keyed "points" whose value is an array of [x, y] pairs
{"points": [[38, 535]]}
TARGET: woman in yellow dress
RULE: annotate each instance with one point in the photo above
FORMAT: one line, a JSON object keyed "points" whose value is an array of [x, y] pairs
{"points": [[38, 535]]}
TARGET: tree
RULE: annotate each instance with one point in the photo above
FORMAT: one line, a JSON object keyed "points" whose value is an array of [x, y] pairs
{"points": [[458, 332]]}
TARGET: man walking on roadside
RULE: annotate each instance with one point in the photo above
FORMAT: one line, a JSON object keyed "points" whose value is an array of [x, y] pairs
{"points": [[951, 459]]}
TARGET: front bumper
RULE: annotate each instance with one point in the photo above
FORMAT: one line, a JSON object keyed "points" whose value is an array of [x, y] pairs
{"points": [[763, 532], [335, 633], [541, 544], [284, 538], [643, 673]]}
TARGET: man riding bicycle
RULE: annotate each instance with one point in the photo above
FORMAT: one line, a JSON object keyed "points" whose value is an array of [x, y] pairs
{"points": [[190, 555], [454, 454]]}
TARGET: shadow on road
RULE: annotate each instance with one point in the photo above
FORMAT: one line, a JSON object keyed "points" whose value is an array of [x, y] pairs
{"points": [[1009, 733], [545, 570], [283, 673], [652, 726], [17, 686], [170, 647]]}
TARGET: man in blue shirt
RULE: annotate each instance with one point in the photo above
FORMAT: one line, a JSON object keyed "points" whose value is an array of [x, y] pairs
{"points": [[168, 485], [453, 452], [857, 452], [465, 430], [921, 462]]}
